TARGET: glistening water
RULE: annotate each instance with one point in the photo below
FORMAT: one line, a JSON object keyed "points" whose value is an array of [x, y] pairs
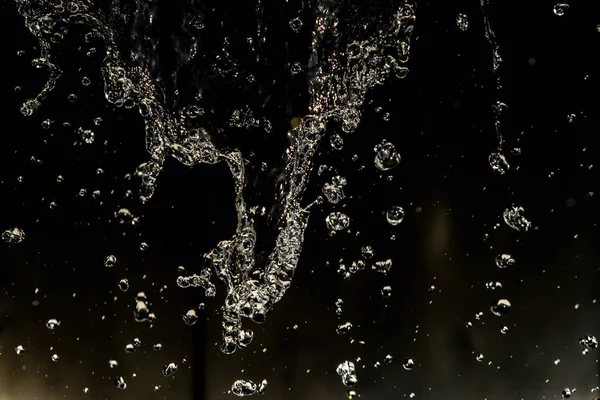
{"points": [[275, 91]]}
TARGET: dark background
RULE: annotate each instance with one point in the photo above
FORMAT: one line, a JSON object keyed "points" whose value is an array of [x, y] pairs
{"points": [[442, 123]]}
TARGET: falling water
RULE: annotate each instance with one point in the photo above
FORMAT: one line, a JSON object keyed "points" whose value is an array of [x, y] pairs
{"points": [[352, 49]]}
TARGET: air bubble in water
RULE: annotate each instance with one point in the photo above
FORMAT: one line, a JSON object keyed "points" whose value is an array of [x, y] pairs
{"points": [[408, 364], [110, 261], [337, 221], [52, 323], [243, 388], [14, 235], [347, 371], [343, 328], [157, 347], [498, 163], [566, 393], [334, 191], [395, 215], [54, 357], [462, 22], [504, 330], [386, 292], [19, 349], [589, 342], [504, 261], [336, 141], [493, 285], [129, 348], [87, 135], [296, 24], [367, 252], [560, 8], [190, 317], [501, 308], [169, 369], [386, 156], [479, 358], [383, 266], [124, 216], [124, 284], [515, 219], [144, 246], [120, 383], [388, 359]]}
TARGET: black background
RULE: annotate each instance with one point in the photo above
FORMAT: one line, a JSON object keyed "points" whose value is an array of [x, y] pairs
{"points": [[442, 123]]}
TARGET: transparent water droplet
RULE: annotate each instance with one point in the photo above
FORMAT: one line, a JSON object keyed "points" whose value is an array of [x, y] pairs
{"points": [[343, 328], [386, 292], [566, 393], [120, 383], [498, 163], [514, 218], [462, 22], [336, 141], [19, 349], [347, 371], [408, 364], [144, 246], [296, 24], [386, 156], [337, 221], [169, 369], [395, 215], [479, 357], [124, 284], [243, 388], [501, 308], [54, 357], [113, 363], [504, 330], [589, 341], [504, 261], [190, 317], [388, 359], [110, 261], [367, 252], [383, 266], [52, 323], [334, 191], [560, 9], [14, 235], [157, 347], [129, 348]]}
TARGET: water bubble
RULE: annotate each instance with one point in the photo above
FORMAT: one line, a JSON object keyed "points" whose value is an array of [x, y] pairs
{"points": [[129, 348], [110, 261], [157, 347], [243, 388], [46, 124], [169, 369], [52, 323], [566, 393], [504, 330], [504, 261], [124, 284], [343, 328], [336, 141], [113, 363], [85, 81], [388, 359], [137, 342], [262, 387], [408, 364], [296, 24], [120, 383], [479, 357], [386, 292], [347, 371], [589, 341], [383, 266], [87, 135], [334, 192], [386, 156], [14, 235], [501, 308], [72, 98], [498, 163], [395, 215], [54, 357], [367, 252], [462, 22], [19, 349], [515, 219], [337, 221], [493, 285], [144, 246], [190, 317], [560, 8], [124, 216], [98, 121], [29, 106]]}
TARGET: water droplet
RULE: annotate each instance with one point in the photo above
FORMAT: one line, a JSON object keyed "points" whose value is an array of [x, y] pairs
{"points": [[343, 328], [296, 24], [144, 246], [124, 284], [560, 9], [52, 323], [19, 349], [120, 383], [504, 261], [386, 156], [498, 163], [515, 219], [388, 359], [337, 221], [408, 364], [54, 357], [367, 252], [479, 358], [383, 266], [85, 81], [386, 292], [566, 393], [395, 215], [347, 371], [14, 235], [589, 342], [493, 285], [190, 317], [113, 363], [129, 348], [243, 388], [334, 191], [110, 261], [504, 330], [501, 308], [157, 347], [462, 22], [124, 216], [169, 369], [336, 141]]}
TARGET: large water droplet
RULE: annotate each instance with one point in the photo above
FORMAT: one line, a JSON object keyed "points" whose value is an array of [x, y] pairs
{"points": [[386, 156], [395, 215], [501, 308]]}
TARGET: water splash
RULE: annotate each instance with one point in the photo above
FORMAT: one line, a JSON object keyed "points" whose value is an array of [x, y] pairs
{"points": [[348, 57]]}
